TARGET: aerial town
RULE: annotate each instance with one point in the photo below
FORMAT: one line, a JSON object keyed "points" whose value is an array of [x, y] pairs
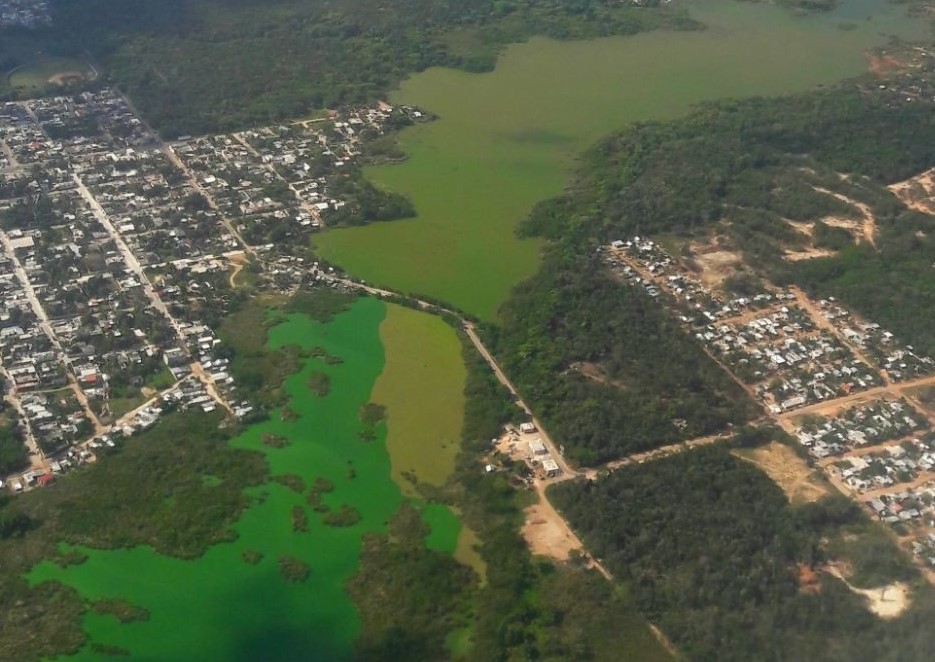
{"points": [[117, 254], [857, 400]]}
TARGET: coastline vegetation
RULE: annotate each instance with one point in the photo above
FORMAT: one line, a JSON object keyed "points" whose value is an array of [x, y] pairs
{"points": [[149, 491], [194, 67]]}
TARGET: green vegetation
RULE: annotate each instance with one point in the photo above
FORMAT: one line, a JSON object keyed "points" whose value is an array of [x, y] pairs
{"points": [[572, 312], [764, 161], [709, 550], [195, 67], [122, 610], [292, 569], [239, 582], [257, 369], [274, 440], [321, 304], [345, 516], [319, 487], [371, 414], [525, 608], [13, 455], [299, 519], [422, 388], [251, 557], [49, 74], [319, 384], [293, 482], [150, 492], [472, 181], [409, 597]]}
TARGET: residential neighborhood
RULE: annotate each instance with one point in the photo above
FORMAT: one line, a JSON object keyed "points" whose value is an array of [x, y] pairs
{"points": [[117, 259], [856, 399]]}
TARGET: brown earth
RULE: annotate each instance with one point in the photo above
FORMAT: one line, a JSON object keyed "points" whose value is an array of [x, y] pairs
{"points": [[547, 534], [715, 261], [800, 483], [917, 192], [66, 78], [881, 64], [887, 601]]}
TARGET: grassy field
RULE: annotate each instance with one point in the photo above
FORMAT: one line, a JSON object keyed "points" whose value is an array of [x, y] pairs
{"points": [[39, 74], [506, 140], [422, 387]]}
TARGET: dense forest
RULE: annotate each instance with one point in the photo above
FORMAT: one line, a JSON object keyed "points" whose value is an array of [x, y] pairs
{"points": [[710, 550], [198, 66], [649, 385], [609, 371]]}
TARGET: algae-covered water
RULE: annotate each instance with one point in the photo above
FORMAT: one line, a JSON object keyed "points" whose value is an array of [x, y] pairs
{"points": [[219, 607], [508, 139]]}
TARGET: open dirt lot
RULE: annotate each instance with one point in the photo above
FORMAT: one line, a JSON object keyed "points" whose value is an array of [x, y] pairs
{"points": [[880, 64], [547, 534], [715, 261], [887, 601], [800, 483]]}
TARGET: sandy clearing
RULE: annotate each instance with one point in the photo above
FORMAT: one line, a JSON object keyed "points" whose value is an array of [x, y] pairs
{"points": [[867, 222], [886, 602], [547, 535], [714, 261], [66, 77], [238, 262], [917, 192], [788, 471], [807, 254]]}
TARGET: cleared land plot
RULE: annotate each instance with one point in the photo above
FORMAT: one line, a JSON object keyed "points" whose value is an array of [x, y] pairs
{"points": [[422, 388], [38, 75], [800, 483], [547, 535]]}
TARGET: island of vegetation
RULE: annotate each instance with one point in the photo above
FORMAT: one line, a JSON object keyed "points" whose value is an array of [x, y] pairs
{"points": [[292, 569]]}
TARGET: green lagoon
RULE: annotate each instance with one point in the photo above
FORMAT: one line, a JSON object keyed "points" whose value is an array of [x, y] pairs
{"points": [[221, 607], [508, 139]]}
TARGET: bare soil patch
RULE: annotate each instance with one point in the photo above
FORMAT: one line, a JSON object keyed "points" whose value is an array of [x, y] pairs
{"points": [[809, 581], [888, 601], [67, 78], [866, 226], [881, 64], [715, 261], [547, 534], [800, 483], [808, 254], [917, 192]]}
